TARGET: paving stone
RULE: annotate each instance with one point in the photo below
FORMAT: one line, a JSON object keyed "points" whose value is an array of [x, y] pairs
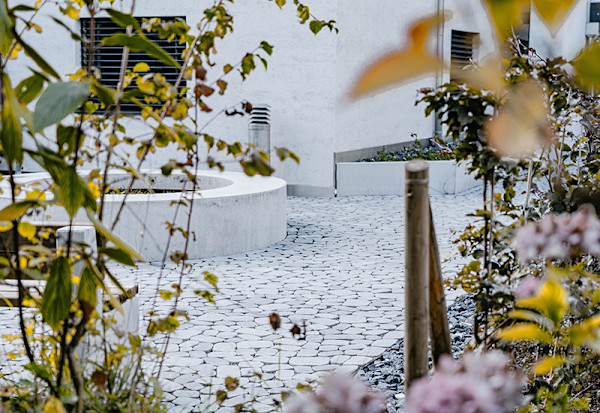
{"points": [[228, 371], [308, 361], [339, 270]]}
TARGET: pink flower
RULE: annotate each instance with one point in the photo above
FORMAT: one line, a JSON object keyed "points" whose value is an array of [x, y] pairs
{"points": [[528, 287], [560, 236], [480, 384], [339, 394]]}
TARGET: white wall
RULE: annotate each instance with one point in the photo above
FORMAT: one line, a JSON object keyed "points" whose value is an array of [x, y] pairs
{"points": [[368, 31], [309, 76], [570, 38], [299, 85]]}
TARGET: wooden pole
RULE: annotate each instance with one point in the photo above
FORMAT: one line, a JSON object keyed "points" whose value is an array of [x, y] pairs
{"points": [[438, 312], [416, 291]]}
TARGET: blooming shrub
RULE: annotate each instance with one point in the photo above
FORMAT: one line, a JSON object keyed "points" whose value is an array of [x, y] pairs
{"points": [[560, 236], [479, 384], [339, 394]]}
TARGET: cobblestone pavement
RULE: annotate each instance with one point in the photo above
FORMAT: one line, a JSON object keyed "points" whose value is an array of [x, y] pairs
{"points": [[339, 271]]}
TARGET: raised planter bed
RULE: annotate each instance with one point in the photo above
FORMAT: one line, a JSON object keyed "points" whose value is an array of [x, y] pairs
{"points": [[387, 178]]}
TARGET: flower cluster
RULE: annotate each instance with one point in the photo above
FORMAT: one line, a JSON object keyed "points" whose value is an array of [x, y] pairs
{"points": [[339, 394], [480, 384], [560, 236]]}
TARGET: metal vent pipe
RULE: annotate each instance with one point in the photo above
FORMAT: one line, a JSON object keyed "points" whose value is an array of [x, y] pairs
{"points": [[259, 128]]}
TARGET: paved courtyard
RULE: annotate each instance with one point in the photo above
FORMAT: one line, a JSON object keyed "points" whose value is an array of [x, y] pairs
{"points": [[339, 272]]}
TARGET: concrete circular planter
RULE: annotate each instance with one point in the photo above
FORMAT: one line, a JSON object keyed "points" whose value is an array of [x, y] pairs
{"points": [[232, 212], [387, 178]]}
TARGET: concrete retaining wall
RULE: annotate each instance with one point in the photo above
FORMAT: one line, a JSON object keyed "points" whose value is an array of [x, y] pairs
{"points": [[387, 178]]}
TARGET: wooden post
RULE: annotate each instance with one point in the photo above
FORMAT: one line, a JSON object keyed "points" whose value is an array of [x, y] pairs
{"points": [[438, 312], [416, 291]]}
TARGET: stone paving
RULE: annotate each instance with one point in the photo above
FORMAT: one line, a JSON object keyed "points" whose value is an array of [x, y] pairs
{"points": [[339, 272]]}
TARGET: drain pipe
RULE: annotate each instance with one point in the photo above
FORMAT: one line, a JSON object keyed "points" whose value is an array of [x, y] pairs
{"points": [[439, 74], [259, 128]]}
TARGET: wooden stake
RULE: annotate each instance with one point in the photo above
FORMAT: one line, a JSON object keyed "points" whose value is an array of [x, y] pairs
{"points": [[416, 292], [438, 312]]}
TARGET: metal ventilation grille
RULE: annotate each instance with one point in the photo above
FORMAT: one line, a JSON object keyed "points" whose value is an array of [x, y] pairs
{"points": [[108, 59], [461, 51], [594, 12]]}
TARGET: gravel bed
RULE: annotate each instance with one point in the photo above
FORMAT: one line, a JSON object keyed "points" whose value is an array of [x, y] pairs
{"points": [[386, 372]]}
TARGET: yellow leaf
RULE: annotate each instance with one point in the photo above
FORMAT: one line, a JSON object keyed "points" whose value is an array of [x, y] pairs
{"points": [[95, 190], [551, 299], [5, 226], [506, 14], [180, 112], [547, 364], [586, 66], [554, 12], [27, 230], [525, 332], [521, 126], [71, 11], [487, 75], [54, 405], [412, 62], [585, 332], [596, 297], [141, 68]]}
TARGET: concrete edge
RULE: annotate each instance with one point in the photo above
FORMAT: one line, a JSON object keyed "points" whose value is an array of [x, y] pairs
{"points": [[311, 191]]}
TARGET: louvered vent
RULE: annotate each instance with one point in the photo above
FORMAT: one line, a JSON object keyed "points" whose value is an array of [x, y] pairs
{"points": [[108, 59], [461, 51]]}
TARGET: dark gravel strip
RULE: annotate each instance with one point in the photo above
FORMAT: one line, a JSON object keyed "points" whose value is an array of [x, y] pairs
{"points": [[386, 372]]}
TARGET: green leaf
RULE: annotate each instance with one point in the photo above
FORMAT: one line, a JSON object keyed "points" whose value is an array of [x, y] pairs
{"points": [[118, 255], [28, 89], [266, 47], [39, 371], [106, 95], [6, 29], [57, 295], [16, 210], [280, 3], [505, 14], [87, 287], [111, 236], [71, 190], [256, 166], [283, 153], [525, 332], [140, 44], [123, 20], [30, 51], [586, 66], [10, 134], [66, 135], [59, 100], [74, 35], [316, 26]]}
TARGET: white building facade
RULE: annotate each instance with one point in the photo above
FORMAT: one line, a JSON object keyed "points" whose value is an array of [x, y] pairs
{"points": [[309, 77]]}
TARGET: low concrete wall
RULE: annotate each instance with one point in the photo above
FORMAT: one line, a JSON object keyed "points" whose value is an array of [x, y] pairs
{"points": [[232, 213], [387, 178]]}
